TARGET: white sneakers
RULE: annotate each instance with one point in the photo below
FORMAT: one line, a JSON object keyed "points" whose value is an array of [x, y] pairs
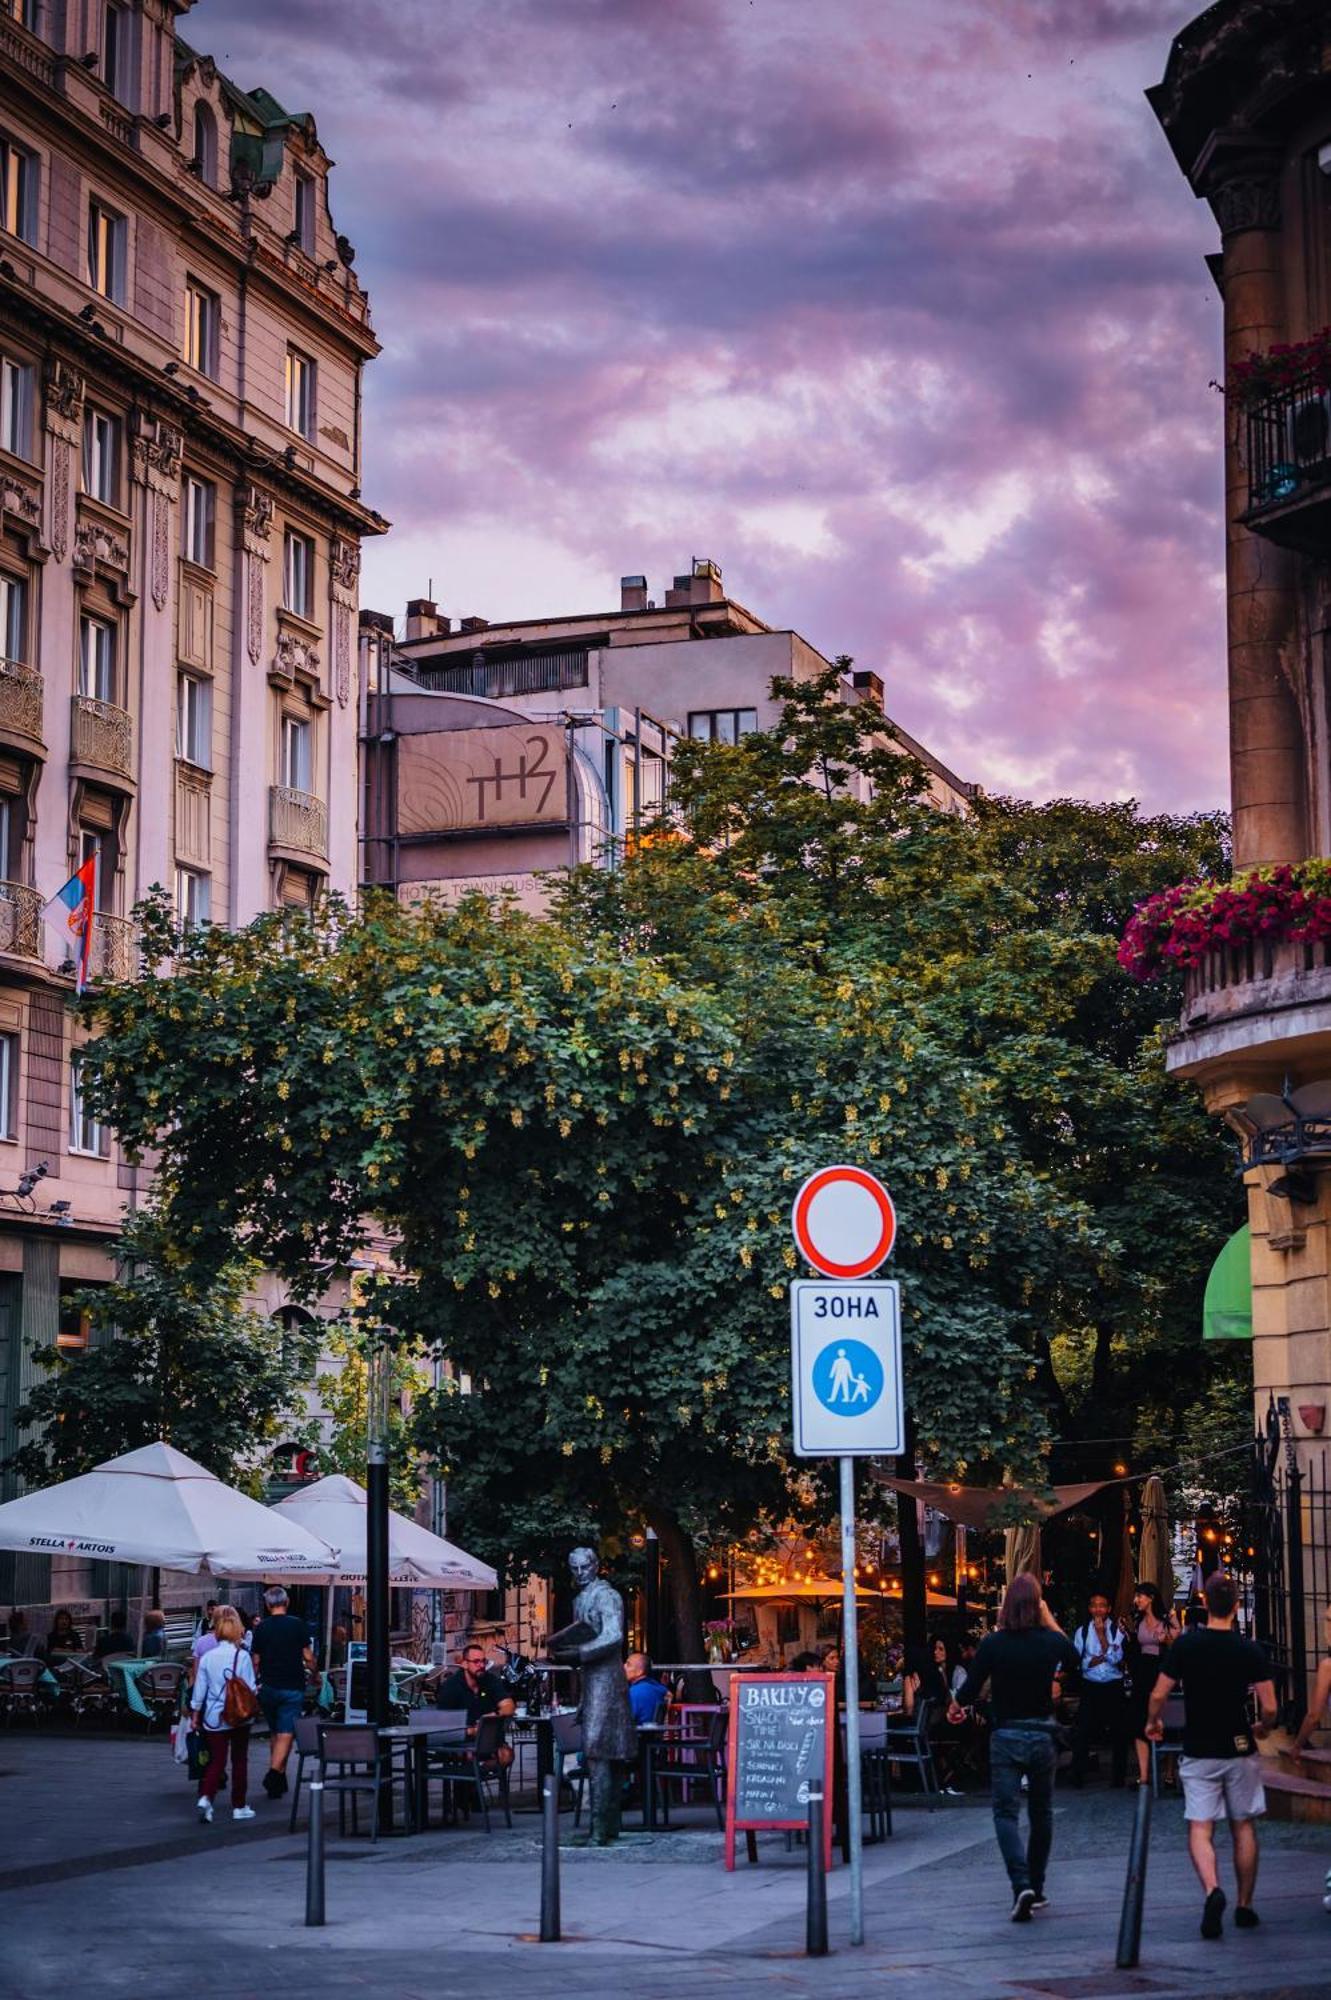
{"points": [[242, 1812], [206, 1811]]}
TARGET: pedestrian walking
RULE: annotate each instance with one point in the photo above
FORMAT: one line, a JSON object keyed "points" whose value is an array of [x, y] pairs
{"points": [[283, 1649], [1018, 1663], [228, 1662], [1102, 1710], [1220, 1766]]}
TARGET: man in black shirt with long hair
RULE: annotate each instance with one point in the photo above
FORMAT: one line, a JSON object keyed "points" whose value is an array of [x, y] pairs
{"points": [[1019, 1662]]}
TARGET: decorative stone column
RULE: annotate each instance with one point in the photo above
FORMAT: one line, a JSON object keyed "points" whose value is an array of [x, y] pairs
{"points": [[64, 422], [344, 572], [255, 511], [156, 449], [251, 751]]}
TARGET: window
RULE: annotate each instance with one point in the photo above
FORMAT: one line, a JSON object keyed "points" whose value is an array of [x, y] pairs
{"points": [[722, 725], [298, 574], [74, 1327], [97, 658], [205, 145], [16, 379], [194, 721], [202, 316], [98, 842], [101, 456], [87, 1134], [18, 191], [297, 754], [8, 845], [300, 393], [13, 618], [115, 51], [106, 251], [22, 11], [193, 898], [8, 1086], [200, 514], [304, 229]]}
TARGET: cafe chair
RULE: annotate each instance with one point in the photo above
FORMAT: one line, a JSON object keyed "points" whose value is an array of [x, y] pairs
{"points": [[306, 1747], [473, 1766], [875, 1777], [569, 1767], [87, 1689], [695, 1760], [356, 1760], [160, 1688], [908, 1745], [19, 1686]]}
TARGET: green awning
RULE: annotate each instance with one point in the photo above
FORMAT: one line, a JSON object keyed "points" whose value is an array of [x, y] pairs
{"points": [[1227, 1306]]}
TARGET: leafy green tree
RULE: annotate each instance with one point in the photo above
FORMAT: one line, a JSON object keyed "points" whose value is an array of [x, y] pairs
{"points": [[344, 1396], [170, 1357]]}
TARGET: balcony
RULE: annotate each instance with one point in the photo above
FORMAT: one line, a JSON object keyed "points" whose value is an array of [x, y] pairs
{"points": [[20, 705], [112, 954], [297, 822], [1289, 465], [101, 737], [20, 922], [497, 680], [1252, 1011]]}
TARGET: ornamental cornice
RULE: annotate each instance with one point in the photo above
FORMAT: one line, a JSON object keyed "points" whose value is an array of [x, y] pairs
{"points": [[254, 510]]}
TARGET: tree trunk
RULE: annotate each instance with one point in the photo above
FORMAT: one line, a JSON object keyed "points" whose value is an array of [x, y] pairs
{"points": [[683, 1592]]}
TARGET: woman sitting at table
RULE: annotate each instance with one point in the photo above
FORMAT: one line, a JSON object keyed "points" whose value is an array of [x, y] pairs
{"points": [[928, 1677], [62, 1639]]}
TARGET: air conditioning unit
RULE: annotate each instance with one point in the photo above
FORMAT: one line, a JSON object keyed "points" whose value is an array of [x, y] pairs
{"points": [[1310, 430]]}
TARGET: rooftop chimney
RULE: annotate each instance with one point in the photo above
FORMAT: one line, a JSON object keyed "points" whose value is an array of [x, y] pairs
{"points": [[376, 621], [633, 593], [474, 625], [702, 585], [869, 687], [423, 620]]}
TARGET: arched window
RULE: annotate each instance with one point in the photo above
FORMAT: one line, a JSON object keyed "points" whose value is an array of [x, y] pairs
{"points": [[205, 144]]}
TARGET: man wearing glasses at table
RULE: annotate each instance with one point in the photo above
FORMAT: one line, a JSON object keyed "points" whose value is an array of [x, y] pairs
{"points": [[474, 1688]]}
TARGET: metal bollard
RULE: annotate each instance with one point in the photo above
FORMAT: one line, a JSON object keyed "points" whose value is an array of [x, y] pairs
{"points": [[550, 1861], [1134, 1889], [314, 1861], [815, 1931]]}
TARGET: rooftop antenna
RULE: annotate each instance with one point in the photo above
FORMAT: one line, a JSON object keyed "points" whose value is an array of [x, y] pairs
{"points": [[430, 592]]}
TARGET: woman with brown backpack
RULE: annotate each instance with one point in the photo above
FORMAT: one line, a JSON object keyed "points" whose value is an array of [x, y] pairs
{"points": [[224, 1703]]}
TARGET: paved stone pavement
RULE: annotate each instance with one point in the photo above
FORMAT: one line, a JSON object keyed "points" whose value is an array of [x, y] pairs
{"points": [[108, 1888]]}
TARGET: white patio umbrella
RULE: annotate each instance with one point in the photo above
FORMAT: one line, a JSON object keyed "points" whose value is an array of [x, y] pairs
{"points": [[157, 1507], [335, 1510]]}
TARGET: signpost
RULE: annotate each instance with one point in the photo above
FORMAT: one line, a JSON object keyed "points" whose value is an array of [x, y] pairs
{"points": [[846, 1393]]}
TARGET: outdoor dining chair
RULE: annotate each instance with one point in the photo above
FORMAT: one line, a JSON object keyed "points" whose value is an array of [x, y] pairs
{"points": [[695, 1760], [908, 1745], [474, 1766], [306, 1747], [19, 1685], [357, 1760], [160, 1688], [87, 1689], [569, 1767], [875, 1777]]}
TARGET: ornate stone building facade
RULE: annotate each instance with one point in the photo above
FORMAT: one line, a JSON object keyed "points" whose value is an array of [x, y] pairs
{"points": [[182, 340]]}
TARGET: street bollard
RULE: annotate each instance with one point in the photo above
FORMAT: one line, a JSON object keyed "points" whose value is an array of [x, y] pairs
{"points": [[314, 1860], [1134, 1889], [815, 1934], [550, 1861]]}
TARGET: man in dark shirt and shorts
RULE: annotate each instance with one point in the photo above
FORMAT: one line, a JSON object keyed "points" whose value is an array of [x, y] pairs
{"points": [[1221, 1767], [283, 1652], [1019, 1662]]}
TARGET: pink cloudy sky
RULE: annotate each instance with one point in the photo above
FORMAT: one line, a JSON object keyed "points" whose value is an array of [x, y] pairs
{"points": [[896, 308]]}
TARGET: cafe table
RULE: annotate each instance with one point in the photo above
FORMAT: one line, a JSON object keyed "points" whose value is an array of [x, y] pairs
{"points": [[651, 1735], [124, 1674], [415, 1736]]}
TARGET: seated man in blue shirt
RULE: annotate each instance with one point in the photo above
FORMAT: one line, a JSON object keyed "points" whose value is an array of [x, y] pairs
{"points": [[647, 1695]]}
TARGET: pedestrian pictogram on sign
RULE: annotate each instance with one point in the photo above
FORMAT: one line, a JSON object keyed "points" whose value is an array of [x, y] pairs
{"points": [[843, 1222]]}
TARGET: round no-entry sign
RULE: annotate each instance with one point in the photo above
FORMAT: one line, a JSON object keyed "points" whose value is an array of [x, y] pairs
{"points": [[844, 1222]]}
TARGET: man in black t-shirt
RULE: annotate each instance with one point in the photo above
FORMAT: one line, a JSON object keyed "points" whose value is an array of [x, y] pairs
{"points": [[474, 1688], [283, 1652], [1019, 1662], [1220, 1766]]}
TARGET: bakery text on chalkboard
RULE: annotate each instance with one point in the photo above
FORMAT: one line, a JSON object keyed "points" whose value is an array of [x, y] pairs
{"points": [[780, 1749]]}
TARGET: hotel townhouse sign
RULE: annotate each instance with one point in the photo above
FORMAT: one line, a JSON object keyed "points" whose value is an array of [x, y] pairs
{"points": [[463, 779]]}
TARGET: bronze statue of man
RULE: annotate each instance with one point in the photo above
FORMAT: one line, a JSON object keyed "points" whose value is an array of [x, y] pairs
{"points": [[609, 1737]]}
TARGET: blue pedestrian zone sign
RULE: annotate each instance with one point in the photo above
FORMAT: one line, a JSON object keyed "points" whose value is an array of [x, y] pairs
{"points": [[846, 1368]]}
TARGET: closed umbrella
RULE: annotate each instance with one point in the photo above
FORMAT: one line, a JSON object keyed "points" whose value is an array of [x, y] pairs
{"points": [[1022, 1551], [157, 1507], [1155, 1562], [1127, 1572]]}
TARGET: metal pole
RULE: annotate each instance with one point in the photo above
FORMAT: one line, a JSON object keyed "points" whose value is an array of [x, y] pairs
{"points": [[376, 1560], [651, 1597], [1134, 1888], [550, 1861], [851, 1667], [314, 1859], [815, 1923]]}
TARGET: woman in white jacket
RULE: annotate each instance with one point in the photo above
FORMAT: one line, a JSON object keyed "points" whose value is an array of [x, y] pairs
{"points": [[228, 1660]]}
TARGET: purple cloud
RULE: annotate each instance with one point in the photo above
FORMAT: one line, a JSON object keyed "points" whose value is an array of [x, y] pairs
{"points": [[900, 313]]}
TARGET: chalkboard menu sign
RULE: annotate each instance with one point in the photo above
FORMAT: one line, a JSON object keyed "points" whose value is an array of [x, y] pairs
{"points": [[780, 1749]]}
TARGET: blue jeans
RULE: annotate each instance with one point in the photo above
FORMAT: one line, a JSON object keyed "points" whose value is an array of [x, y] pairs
{"points": [[1023, 1750]]}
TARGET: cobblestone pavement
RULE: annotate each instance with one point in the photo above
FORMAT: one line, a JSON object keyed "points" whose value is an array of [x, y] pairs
{"points": [[107, 1885]]}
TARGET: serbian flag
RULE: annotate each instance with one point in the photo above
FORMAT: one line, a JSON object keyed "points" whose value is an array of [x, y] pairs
{"points": [[70, 912]]}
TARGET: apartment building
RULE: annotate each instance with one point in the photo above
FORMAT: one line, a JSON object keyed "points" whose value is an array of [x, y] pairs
{"points": [[495, 751], [182, 340]]}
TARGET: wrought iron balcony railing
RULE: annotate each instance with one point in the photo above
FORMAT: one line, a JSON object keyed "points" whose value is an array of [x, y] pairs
{"points": [[20, 921], [20, 700], [112, 954], [1289, 445], [297, 821], [102, 735]]}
